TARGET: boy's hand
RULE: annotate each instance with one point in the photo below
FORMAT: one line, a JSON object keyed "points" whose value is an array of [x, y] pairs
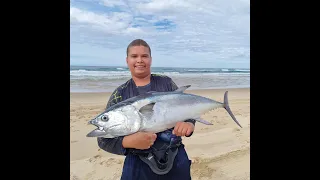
{"points": [[183, 129], [139, 140]]}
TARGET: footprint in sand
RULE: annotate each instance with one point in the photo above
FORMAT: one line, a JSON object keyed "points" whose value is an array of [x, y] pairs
{"points": [[90, 175], [236, 130], [74, 177], [94, 158], [200, 169], [205, 128], [110, 162]]}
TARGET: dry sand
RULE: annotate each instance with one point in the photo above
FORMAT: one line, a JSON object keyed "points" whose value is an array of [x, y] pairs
{"points": [[219, 152]]}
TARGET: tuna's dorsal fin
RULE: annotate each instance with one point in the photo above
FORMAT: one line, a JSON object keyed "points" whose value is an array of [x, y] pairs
{"points": [[182, 88]]}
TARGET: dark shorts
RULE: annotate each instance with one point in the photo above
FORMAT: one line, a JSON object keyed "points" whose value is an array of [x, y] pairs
{"points": [[135, 169]]}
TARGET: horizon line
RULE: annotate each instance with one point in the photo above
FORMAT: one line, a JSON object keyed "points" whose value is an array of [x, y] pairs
{"points": [[161, 66]]}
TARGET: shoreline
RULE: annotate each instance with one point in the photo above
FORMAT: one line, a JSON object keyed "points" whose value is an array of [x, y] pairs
{"points": [[210, 89]]}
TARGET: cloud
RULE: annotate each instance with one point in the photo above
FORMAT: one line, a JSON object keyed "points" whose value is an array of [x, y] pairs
{"points": [[112, 3], [164, 6], [110, 23], [210, 33]]}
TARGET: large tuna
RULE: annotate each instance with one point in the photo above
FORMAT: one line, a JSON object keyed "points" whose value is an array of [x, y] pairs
{"points": [[154, 112]]}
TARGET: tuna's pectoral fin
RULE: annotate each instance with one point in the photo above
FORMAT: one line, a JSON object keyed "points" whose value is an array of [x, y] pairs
{"points": [[147, 108], [182, 88], [203, 121]]}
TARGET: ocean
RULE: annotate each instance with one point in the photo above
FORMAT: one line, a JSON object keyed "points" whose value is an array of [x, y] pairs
{"points": [[107, 78]]}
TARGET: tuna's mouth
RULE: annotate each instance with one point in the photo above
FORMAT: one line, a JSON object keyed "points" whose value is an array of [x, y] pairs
{"points": [[105, 130], [101, 131], [100, 128]]}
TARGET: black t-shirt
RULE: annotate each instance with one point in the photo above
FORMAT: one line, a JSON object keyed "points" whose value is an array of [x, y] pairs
{"points": [[144, 89]]}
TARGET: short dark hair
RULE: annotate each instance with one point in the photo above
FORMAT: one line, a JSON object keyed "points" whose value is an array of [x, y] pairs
{"points": [[138, 42]]}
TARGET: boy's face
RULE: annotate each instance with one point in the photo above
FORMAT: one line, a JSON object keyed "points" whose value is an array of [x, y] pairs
{"points": [[139, 61]]}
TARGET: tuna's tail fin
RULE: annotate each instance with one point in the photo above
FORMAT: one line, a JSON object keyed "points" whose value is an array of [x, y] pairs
{"points": [[226, 106]]}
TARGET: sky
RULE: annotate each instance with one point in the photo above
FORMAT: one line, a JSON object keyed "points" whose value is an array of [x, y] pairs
{"points": [[181, 33]]}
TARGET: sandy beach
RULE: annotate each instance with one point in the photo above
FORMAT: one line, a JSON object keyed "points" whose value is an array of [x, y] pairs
{"points": [[219, 152]]}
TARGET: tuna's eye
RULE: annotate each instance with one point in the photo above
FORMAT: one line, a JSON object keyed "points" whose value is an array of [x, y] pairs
{"points": [[104, 118]]}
